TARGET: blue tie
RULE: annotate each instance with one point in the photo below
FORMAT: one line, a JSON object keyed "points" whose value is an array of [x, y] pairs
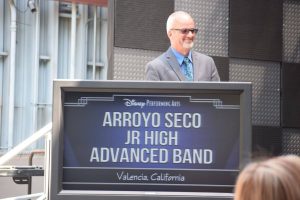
{"points": [[187, 69]]}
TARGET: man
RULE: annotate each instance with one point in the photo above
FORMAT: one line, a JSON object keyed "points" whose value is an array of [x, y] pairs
{"points": [[179, 62]]}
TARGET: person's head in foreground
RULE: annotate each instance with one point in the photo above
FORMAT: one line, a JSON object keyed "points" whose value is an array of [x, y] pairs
{"points": [[273, 179]]}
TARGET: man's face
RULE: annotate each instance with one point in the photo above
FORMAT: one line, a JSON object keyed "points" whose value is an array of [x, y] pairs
{"points": [[180, 37]]}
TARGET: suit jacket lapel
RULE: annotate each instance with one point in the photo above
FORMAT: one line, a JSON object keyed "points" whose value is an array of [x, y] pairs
{"points": [[171, 59], [196, 68]]}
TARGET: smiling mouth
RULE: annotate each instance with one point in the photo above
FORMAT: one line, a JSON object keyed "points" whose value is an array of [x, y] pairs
{"points": [[188, 40]]}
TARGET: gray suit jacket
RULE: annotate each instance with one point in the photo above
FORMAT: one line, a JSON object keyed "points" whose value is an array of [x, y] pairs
{"points": [[166, 68]]}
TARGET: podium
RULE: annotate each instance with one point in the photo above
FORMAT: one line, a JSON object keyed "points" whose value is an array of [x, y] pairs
{"points": [[149, 140]]}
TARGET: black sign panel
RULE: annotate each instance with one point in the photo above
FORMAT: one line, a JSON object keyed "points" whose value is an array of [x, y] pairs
{"points": [[158, 140]]}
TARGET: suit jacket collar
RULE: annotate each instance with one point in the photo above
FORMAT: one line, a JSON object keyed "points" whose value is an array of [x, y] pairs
{"points": [[173, 63]]}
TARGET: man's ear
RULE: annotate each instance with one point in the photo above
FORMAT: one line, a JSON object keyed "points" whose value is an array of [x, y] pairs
{"points": [[169, 34]]}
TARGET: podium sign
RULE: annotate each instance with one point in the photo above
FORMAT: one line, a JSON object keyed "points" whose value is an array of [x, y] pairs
{"points": [[141, 137]]}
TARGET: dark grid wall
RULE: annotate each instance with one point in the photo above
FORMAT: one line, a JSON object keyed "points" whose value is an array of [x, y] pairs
{"points": [[256, 41]]}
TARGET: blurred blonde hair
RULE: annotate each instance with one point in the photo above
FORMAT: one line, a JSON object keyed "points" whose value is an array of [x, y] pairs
{"points": [[274, 179]]}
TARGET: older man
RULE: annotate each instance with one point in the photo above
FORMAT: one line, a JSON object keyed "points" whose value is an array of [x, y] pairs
{"points": [[179, 62]]}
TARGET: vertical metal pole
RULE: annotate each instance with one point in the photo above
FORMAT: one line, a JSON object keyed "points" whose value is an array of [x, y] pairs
{"points": [[36, 66], [73, 42], [11, 87], [53, 22], [47, 175], [95, 40]]}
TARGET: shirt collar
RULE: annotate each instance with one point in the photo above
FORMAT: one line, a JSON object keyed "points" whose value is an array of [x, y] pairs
{"points": [[179, 57]]}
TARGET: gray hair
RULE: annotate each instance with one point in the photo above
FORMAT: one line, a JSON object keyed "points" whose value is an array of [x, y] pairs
{"points": [[172, 18]]}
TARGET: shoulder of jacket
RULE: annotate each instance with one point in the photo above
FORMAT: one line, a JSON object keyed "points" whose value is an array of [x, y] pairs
{"points": [[201, 55]]}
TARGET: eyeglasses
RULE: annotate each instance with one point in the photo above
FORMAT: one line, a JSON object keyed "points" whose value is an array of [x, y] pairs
{"points": [[186, 30]]}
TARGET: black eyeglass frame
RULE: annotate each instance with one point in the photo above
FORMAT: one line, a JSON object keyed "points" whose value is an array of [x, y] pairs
{"points": [[186, 30]]}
